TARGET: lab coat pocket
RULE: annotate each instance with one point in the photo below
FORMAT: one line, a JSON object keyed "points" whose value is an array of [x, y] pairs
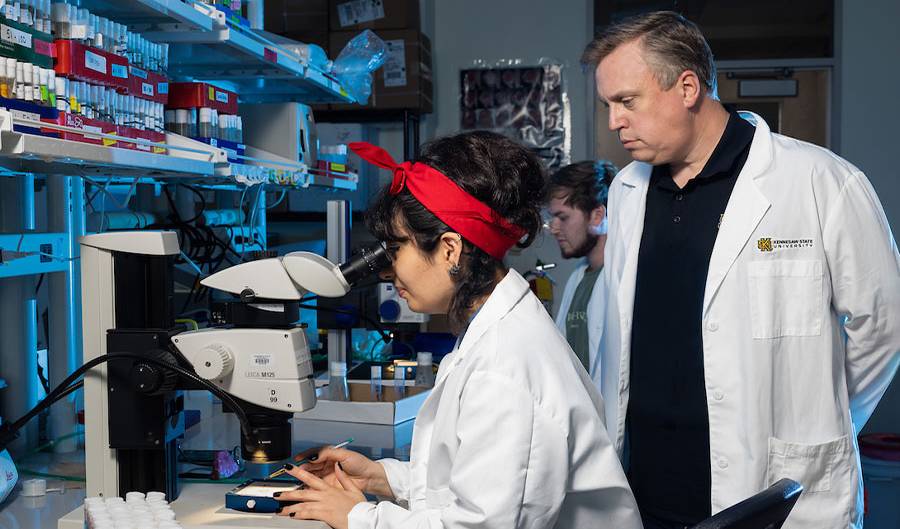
{"points": [[785, 298], [826, 472], [438, 498]]}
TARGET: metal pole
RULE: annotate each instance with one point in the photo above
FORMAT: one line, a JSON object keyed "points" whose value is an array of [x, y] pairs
{"points": [[337, 245], [261, 225], [18, 317], [65, 211]]}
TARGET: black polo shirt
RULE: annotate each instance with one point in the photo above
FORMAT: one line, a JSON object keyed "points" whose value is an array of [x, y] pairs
{"points": [[668, 423]]}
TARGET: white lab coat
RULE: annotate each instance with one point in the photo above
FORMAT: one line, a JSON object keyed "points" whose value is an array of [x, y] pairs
{"points": [[596, 311], [803, 244], [511, 436]]}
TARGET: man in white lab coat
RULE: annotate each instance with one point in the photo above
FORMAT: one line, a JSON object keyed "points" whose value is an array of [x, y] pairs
{"points": [[577, 208], [753, 318]]}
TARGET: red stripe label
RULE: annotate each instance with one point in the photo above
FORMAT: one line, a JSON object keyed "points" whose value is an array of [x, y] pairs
{"points": [[43, 47]]}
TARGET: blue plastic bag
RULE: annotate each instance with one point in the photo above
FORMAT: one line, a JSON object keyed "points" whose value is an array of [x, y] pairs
{"points": [[359, 59], [8, 475]]}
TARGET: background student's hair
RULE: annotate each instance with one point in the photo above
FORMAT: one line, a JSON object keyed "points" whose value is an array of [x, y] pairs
{"points": [[582, 185]]}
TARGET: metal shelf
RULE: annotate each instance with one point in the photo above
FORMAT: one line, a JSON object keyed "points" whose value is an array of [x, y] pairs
{"points": [[52, 245], [258, 70], [188, 160], [160, 17], [27, 153], [203, 47]]}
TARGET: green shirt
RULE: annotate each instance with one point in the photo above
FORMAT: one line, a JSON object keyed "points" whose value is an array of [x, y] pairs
{"points": [[576, 319]]}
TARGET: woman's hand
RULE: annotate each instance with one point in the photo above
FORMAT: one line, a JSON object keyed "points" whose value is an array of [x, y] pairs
{"points": [[329, 503], [366, 475]]}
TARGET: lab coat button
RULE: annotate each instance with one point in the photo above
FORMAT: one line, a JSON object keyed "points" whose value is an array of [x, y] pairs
{"points": [[712, 326], [723, 463], [718, 395]]}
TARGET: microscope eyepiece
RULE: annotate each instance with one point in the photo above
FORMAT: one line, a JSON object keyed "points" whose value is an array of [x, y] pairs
{"points": [[369, 261]]}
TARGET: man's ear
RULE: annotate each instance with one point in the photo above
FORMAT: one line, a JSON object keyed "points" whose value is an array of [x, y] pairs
{"points": [[597, 215], [690, 87], [450, 248]]}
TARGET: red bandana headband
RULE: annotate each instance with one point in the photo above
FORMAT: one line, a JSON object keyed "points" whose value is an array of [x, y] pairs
{"points": [[468, 216]]}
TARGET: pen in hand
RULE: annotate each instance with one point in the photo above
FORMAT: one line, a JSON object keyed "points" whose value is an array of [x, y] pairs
{"points": [[282, 470]]}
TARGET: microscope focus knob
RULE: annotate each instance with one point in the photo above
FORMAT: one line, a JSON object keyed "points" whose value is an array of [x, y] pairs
{"points": [[214, 361]]}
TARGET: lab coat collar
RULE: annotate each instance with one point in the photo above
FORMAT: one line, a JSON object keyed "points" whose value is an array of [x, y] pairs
{"points": [[505, 296], [759, 159], [746, 208], [635, 174]]}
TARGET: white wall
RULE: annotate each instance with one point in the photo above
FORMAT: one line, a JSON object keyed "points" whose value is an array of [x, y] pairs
{"points": [[496, 30], [869, 51]]}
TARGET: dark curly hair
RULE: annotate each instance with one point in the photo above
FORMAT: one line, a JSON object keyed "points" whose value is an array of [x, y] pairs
{"points": [[497, 171]]}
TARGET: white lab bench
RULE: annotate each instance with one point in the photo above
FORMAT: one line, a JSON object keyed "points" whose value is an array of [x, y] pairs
{"points": [[201, 505]]}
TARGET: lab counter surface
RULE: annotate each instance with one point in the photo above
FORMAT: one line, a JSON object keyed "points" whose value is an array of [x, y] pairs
{"points": [[201, 506], [218, 431]]}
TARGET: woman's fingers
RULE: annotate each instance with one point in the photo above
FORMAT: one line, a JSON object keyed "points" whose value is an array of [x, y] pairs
{"points": [[299, 495], [303, 511], [308, 454], [344, 479], [312, 481]]}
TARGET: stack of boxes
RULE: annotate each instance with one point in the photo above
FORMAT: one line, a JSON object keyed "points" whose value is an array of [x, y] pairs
{"points": [[404, 82]]}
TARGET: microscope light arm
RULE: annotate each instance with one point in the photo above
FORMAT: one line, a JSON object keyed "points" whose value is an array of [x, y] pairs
{"points": [[286, 278]]}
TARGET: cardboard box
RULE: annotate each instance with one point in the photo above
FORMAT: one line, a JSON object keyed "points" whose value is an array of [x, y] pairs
{"points": [[404, 82], [357, 15], [92, 65], [296, 16]]}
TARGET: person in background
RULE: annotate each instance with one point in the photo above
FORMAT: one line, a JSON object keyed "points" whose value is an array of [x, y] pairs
{"points": [[577, 206], [753, 318], [512, 434]]}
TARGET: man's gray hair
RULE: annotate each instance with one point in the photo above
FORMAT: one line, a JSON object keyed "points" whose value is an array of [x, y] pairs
{"points": [[672, 44]]}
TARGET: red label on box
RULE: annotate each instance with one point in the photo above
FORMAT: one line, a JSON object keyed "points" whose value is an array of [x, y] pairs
{"points": [[270, 55], [148, 85], [85, 124], [198, 95], [77, 61], [43, 47]]}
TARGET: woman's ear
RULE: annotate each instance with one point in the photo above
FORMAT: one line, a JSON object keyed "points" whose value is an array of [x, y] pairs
{"points": [[450, 248]]}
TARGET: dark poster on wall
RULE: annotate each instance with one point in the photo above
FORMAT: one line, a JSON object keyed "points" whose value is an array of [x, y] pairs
{"points": [[527, 104]]}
